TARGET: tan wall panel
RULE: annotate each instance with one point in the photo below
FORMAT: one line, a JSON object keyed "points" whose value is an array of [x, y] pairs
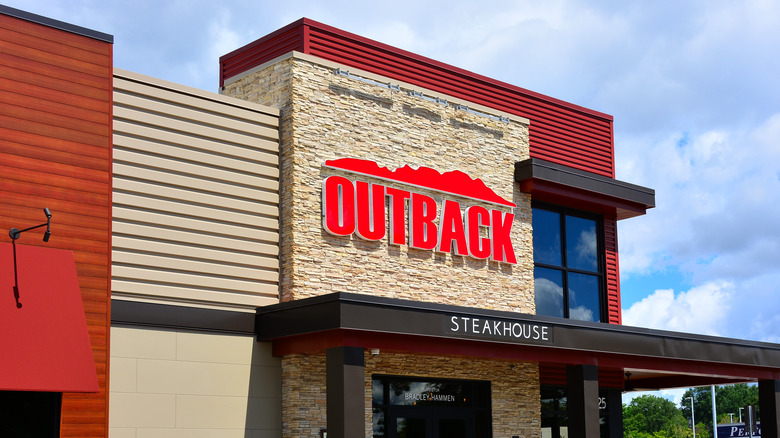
{"points": [[160, 292], [193, 97], [181, 145], [227, 245], [146, 104], [211, 268], [132, 243], [214, 282], [226, 173], [195, 197], [139, 216], [196, 184], [194, 239], [170, 123], [190, 210], [167, 383], [253, 193]]}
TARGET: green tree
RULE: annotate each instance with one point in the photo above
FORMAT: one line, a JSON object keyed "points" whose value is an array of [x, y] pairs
{"points": [[728, 399], [649, 416], [702, 404]]}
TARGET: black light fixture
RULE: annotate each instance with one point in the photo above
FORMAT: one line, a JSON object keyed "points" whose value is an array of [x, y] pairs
{"points": [[629, 386], [15, 232]]}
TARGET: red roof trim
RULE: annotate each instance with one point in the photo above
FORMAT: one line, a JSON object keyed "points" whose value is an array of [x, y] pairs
{"points": [[418, 58], [396, 52], [559, 131], [262, 40]]}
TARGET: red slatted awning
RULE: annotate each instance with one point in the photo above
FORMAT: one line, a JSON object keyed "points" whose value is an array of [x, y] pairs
{"points": [[44, 343]]}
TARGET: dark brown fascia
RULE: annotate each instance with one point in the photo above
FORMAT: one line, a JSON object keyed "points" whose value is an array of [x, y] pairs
{"points": [[620, 346], [133, 313], [548, 181]]}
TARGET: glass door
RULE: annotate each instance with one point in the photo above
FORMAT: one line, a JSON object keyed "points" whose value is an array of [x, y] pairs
{"points": [[430, 422], [412, 407], [410, 426]]}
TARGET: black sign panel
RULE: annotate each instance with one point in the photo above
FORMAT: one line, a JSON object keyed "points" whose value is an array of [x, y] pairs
{"points": [[498, 329]]}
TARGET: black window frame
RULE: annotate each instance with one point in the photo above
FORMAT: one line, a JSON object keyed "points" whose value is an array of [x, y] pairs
{"points": [[479, 404], [564, 269]]}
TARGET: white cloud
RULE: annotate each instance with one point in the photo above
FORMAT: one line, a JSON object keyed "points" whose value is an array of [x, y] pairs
{"points": [[673, 395], [702, 309], [581, 313], [716, 221]]}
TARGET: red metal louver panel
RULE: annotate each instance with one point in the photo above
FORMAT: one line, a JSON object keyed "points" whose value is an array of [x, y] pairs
{"points": [[612, 273], [560, 132], [283, 41]]}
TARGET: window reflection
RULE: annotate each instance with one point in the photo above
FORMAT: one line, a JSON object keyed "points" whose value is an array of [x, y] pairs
{"points": [[584, 297], [547, 237], [581, 244], [548, 287]]}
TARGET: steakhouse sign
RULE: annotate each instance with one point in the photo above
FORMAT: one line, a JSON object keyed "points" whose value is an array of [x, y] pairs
{"points": [[374, 211]]}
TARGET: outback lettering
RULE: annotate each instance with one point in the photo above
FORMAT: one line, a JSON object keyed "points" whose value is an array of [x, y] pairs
{"points": [[357, 207]]}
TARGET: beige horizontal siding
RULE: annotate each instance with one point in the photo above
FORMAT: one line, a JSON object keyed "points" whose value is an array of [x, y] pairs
{"points": [[188, 210], [231, 158], [129, 215], [153, 291], [180, 250], [195, 196]]}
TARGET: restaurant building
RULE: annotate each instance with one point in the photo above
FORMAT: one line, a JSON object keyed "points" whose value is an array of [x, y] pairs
{"points": [[349, 239]]}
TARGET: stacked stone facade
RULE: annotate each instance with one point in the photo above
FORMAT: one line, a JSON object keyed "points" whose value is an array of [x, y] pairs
{"points": [[514, 389], [328, 115]]}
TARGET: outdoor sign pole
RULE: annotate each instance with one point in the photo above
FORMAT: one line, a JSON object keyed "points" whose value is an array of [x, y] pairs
{"points": [[714, 414], [750, 419]]}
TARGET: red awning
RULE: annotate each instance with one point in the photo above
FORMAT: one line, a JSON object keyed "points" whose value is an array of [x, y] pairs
{"points": [[44, 343]]}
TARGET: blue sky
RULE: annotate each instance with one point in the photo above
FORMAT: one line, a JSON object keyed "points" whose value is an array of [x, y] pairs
{"points": [[693, 87]]}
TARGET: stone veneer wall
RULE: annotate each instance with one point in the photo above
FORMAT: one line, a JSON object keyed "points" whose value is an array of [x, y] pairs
{"points": [[514, 387], [326, 115]]}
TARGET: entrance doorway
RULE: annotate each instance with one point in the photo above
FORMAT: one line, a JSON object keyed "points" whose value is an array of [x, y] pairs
{"points": [[424, 422], [408, 407]]}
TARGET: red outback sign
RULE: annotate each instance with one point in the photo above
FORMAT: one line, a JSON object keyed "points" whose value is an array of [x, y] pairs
{"points": [[358, 207]]}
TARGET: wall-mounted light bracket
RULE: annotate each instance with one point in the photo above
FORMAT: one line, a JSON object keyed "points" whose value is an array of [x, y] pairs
{"points": [[15, 232]]}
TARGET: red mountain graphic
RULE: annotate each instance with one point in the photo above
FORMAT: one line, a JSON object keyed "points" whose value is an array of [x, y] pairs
{"points": [[454, 182]]}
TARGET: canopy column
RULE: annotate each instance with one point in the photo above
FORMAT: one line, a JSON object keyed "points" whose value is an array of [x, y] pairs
{"points": [[345, 368], [582, 383]]}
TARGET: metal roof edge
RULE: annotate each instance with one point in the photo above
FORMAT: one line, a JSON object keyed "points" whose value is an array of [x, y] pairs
{"points": [[56, 24]]}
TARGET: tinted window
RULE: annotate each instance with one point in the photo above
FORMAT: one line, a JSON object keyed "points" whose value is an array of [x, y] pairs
{"points": [[581, 244], [547, 237], [584, 297], [548, 287], [568, 272]]}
